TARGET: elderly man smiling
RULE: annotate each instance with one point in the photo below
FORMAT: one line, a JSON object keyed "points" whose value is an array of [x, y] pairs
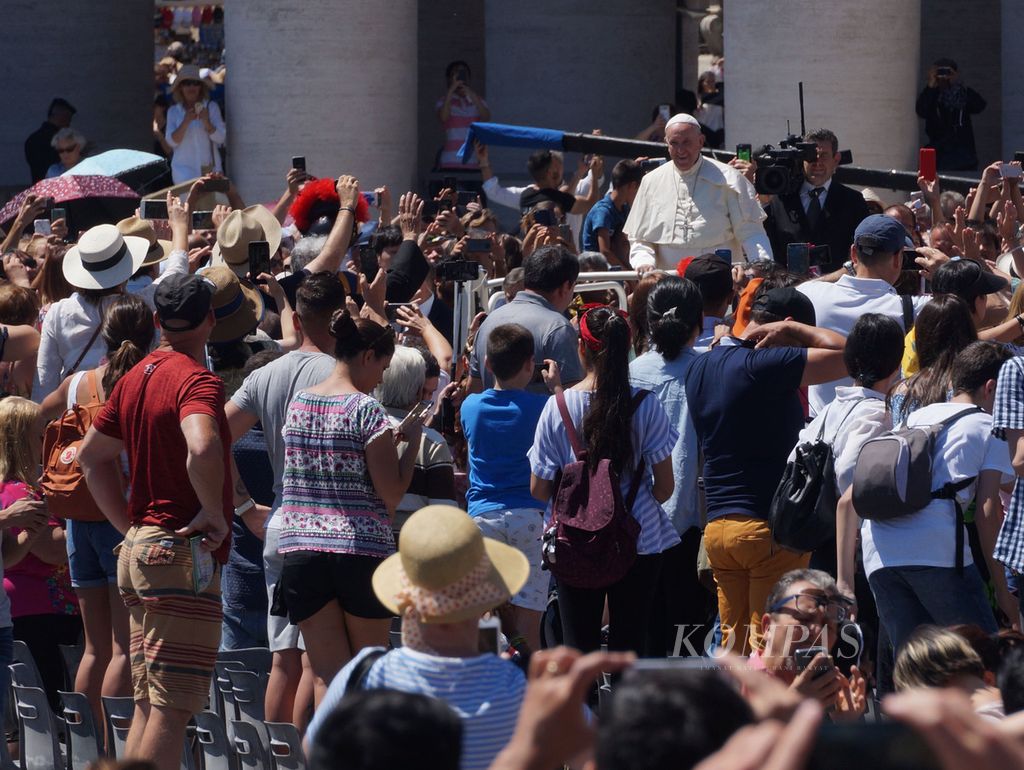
{"points": [[693, 205]]}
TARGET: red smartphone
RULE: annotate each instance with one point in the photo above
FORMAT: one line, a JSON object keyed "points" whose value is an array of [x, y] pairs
{"points": [[926, 163]]}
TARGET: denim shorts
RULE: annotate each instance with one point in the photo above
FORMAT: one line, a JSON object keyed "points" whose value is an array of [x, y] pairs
{"points": [[91, 558]]}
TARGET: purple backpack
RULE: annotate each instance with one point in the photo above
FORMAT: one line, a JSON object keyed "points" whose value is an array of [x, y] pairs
{"points": [[591, 540]]}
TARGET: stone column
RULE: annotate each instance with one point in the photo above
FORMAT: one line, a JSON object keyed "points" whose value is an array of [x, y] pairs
{"points": [[333, 80], [858, 63], [577, 65], [97, 55], [1013, 84]]}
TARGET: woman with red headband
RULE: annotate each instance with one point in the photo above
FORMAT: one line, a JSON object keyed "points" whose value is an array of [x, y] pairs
{"points": [[601, 408]]}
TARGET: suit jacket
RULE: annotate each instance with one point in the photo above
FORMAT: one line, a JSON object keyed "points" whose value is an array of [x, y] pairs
{"points": [[787, 223], [442, 317]]}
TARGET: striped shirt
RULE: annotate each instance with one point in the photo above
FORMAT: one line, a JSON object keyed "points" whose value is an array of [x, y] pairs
{"points": [[329, 503], [653, 436], [1008, 414], [462, 113], [486, 692]]}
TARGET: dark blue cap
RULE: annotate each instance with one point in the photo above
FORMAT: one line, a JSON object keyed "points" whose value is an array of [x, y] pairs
{"points": [[879, 234]]}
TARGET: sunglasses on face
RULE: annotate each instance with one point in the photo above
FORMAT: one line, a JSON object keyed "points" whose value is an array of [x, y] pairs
{"points": [[66, 150], [808, 604]]}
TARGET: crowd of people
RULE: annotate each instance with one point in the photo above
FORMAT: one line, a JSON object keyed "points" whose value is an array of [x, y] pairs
{"points": [[557, 540]]}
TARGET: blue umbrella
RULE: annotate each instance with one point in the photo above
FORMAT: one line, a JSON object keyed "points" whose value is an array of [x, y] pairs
{"points": [[135, 168]]}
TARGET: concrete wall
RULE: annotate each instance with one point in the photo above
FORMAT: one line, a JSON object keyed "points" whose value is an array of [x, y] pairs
{"points": [[448, 30], [334, 80], [858, 62], [97, 55], [577, 65], [971, 33]]}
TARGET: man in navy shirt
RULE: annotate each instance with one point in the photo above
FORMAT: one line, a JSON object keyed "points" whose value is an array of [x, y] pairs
{"points": [[744, 399], [602, 229]]}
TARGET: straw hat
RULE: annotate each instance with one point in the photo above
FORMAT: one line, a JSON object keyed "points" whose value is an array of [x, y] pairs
{"points": [[104, 258], [446, 571], [189, 72], [237, 304], [159, 249], [238, 230]]}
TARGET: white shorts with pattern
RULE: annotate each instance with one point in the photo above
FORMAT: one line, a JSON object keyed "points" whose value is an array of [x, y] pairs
{"points": [[521, 528]]}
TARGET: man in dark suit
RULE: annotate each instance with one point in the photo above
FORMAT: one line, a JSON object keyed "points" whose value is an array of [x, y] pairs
{"points": [[824, 212], [38, 152]]}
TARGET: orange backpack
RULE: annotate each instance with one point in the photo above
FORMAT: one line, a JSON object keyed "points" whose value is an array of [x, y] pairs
{"points": [[63, 482]]}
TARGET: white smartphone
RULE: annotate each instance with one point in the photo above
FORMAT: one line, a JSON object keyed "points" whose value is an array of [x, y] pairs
{"points": [[42, 227], [1009, 171], [416, 413], [490, 635]]}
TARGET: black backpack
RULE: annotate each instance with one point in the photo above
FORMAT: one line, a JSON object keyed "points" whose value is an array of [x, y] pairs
{"points": [[803, 511]]}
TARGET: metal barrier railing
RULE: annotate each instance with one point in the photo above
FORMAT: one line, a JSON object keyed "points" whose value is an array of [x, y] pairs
{"points": [[488, 291]]}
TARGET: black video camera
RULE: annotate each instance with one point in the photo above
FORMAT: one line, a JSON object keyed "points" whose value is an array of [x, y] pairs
{"points": [[458, 270], [646, 166], [780, 169]]}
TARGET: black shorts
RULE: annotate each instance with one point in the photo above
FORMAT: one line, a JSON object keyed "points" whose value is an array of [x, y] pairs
{"points": [[310, 580]]}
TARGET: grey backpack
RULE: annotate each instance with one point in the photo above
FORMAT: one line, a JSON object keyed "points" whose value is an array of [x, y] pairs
{"points": [[893, 475]]}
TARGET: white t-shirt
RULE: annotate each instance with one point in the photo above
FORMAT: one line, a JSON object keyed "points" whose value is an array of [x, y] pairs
{"points": [[837, 306], [857, 415], [928, 538]]}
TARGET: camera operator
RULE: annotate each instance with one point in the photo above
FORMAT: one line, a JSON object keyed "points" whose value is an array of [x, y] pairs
{"points": [[693, 205], [823, 212], [946, 105]]}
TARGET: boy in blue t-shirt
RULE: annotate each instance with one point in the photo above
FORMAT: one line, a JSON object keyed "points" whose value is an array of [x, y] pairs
{"points": [[499, 425]]}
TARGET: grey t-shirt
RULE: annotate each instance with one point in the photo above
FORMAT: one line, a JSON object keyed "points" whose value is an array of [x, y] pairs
{"points": [[269, 390], [553, 337]]}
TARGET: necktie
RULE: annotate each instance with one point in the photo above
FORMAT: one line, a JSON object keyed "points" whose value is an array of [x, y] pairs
{"points": [[814, 207]]}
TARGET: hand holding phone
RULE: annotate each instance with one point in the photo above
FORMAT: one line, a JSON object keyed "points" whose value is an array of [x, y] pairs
{"points": [[412, 426], [56, 214], [152, 208], [926, 163], [1009, 171], [743, 152], [259, 259], [203, 220], [42, 227], [798, 258], [299, 162], [369, 264]]}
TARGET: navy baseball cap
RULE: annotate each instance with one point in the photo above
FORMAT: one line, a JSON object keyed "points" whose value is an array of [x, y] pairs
{"points": [[881, 234]]}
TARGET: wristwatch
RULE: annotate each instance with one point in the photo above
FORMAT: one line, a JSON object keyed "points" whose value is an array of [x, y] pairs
{"points": [[848, 266]]}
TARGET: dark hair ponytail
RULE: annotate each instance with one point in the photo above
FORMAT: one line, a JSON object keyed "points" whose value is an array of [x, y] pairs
{"points": [[353, 336], [675, 309], [608, 424], [128, 333]]}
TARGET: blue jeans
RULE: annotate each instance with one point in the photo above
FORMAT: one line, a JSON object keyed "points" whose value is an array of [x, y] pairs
{"points": [[908, 597], [242, 628]]}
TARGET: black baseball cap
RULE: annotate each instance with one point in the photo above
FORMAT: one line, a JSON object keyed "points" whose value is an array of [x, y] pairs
{"points": [[712, 275], [967, 279], [183, 301], [786, 303]]}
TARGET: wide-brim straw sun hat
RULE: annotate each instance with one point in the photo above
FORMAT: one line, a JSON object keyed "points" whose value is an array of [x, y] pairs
{"points": [[104, 258]]}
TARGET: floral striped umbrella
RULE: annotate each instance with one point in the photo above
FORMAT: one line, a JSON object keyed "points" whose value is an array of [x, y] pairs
{"points": [[89, 200]]}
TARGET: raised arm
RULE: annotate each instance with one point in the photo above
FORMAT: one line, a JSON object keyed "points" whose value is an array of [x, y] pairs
{"points": [[340, 236]]}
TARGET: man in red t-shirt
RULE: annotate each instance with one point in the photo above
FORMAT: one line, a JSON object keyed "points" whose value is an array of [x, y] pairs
{"points": [[167, 413]]}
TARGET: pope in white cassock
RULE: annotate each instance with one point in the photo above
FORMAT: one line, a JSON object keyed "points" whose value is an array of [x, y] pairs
{"points": [[693, 205]]}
